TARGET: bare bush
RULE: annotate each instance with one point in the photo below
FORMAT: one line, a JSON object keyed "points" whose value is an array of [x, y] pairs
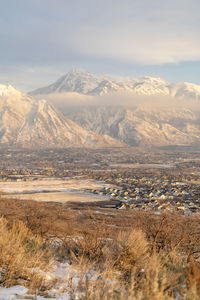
{"points": [[22, 255]]}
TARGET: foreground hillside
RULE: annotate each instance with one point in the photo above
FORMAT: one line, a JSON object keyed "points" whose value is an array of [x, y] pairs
{"points": [[134, 255]]}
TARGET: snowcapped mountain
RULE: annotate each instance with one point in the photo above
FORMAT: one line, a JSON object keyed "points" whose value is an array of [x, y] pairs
{"points": [[148, 85], [8, 90], [187, 90], [83, 82], [76, 80], [132, 123], [27, 122], [105, 87]]}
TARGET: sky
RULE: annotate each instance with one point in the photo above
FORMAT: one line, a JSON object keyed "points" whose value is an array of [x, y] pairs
{"points": [[40, 40]]}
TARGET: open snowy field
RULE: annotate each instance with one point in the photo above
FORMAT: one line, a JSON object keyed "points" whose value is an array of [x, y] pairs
{"points": [[59, 197], [58, 190]]}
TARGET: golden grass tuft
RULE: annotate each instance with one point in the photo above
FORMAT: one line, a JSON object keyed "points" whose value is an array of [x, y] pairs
{"points": [[22, 255]]}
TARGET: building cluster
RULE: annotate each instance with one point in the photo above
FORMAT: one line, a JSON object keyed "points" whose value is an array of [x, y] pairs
{"points": [[157, 180], [156, 193]]}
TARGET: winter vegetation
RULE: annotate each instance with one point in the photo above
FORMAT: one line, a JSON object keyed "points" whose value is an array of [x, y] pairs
{"points": [[54, 253]]}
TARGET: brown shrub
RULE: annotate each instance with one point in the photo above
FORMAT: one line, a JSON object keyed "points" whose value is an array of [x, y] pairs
{"points": [[22, 255], [131, 254], [127, 251]]}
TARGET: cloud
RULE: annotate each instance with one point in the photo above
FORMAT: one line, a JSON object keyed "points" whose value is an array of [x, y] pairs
{"points": [[146, 47], [68, 102], [97, 35], [142, 32]]}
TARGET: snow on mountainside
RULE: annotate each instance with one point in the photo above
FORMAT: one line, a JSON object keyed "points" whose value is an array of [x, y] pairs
{"points": [[141, 125], [185, 89], [105, 87], [83, 82], [148, 85], [27, 122], [129, 122], [76, 80], [6, 90]]}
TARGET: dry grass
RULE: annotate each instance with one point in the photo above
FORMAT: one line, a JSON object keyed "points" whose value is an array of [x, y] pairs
{"points": [[158, 259], [22, 254], [128, 255]]}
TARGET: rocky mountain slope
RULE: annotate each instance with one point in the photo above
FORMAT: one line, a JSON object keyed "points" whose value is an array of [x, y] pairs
{"points": [[142, 125], [27, 122]]}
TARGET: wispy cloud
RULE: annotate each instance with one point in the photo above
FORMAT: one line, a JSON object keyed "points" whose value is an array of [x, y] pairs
{"points": [[67, 102], [143, 32], [98, 33]]}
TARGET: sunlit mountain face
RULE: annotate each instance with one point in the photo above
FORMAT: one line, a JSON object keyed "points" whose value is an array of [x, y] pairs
{"points": [[27, 122], [135, 111], [83, 82]]}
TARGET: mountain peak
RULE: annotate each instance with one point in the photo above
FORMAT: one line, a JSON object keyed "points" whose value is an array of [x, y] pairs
{"points": [[78, 71], [76, 80], [7, 89]]}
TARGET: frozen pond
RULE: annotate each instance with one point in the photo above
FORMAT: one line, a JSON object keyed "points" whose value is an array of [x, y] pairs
{"points": [[59, 197], [57, 190]]}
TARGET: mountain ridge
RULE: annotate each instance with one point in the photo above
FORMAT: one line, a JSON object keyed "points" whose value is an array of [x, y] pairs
{"points": [[117, 125], [83, 82]]}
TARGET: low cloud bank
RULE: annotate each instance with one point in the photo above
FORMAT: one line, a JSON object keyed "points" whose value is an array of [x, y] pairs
{"points": [[74, 101]]}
